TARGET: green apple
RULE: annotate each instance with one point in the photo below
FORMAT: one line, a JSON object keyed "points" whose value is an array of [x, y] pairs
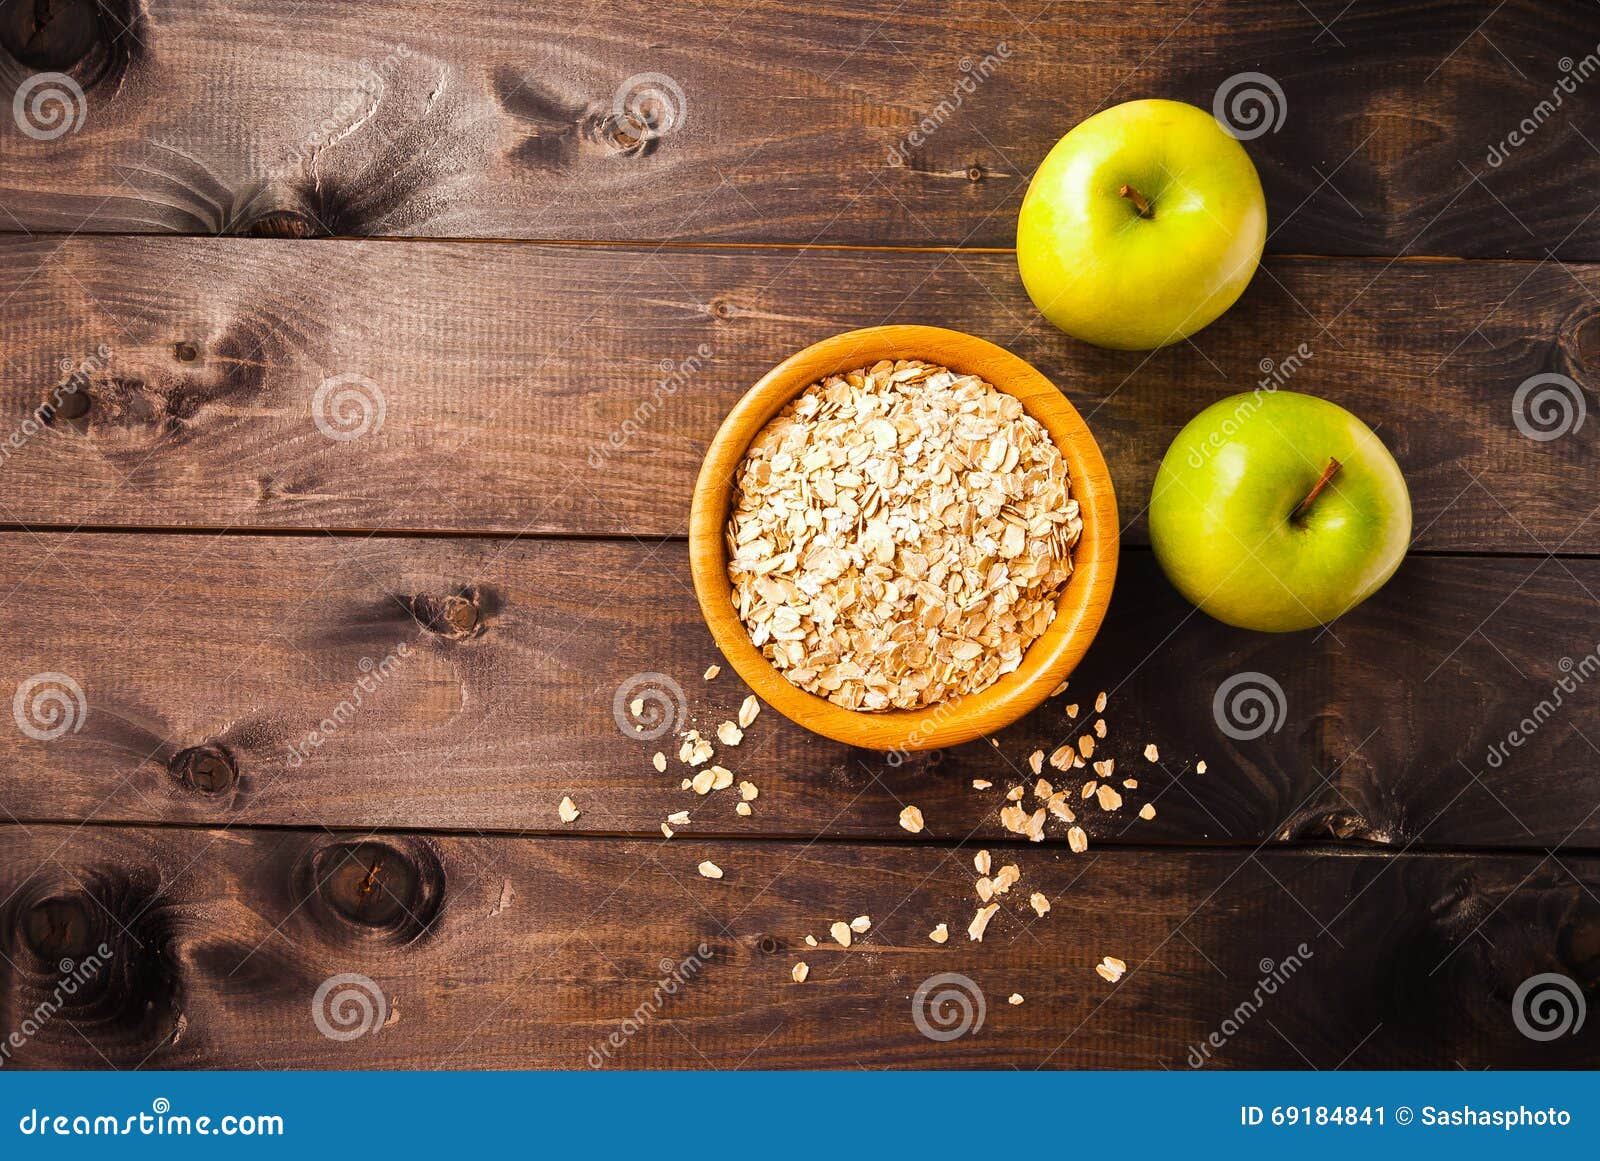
{"points": [[1143, 224], [1277, 511]]}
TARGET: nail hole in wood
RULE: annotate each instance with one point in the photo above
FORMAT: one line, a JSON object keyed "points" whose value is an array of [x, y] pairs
{"points": [[768, 946], [185, 352], [975, 173], [722, 308]]}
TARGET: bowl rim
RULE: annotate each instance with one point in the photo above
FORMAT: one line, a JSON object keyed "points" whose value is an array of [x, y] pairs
{"points": [[1081, 605]]}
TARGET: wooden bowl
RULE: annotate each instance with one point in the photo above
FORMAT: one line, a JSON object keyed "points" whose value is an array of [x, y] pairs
{"points": [[1047, 662]]}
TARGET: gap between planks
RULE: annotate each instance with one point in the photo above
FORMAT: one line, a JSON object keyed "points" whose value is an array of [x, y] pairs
{"points": [[994, 843], [216, 530]]}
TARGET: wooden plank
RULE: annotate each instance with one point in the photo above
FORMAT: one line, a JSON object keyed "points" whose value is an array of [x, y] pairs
{"points": [[507, 953], [880, 123], [558, 389], [1394, 727]]}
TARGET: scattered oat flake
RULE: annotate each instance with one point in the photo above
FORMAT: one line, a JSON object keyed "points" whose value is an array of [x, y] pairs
{"points": [[1107, 797], [811, 941], [1059, 690], [568, 810], [1039, 903], [1035, 827], [1008, 875], [1130, 784], [667, 831], [1043, 789], [841, 933], [679, 818], [748, 791], [1089, 788], [659, 761], [703, 781], [911, 819], [1151, 753], [1072, 710], [721, 778], [1200, 767], [1100, 727], [1147, 811], [981, 784], [742, 809], [1058, 807], [1086, 746], [1014, 999], [800, 971], [1110, 969], [1105, 767], [1100, 702], [712, 671], [729, 734], [980, 922], [636, 706], [1036, 761], [981, 862], [985, 888], [940, 933], [1061, 757], [1014, 819], [1077, 840], [748, 709], [710, 870], [860, 924], [685, 784]]}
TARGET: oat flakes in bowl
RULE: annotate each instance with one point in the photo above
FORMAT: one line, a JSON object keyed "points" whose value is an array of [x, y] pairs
{"points": [[900, 534], [1079, 604]]}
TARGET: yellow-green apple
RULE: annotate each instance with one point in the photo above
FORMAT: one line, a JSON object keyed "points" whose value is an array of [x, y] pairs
{"points": [[1278, 511], [1142, 225]]}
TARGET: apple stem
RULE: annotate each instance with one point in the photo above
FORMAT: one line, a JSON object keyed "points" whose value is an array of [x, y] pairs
{"points": [[1316, 489], [1140, 202]]}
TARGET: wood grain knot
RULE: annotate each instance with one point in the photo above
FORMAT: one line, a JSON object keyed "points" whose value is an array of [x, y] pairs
{"points": [[976, 173], [767, 945], [207, 769], [1343, 825], [722, 308], [284, 224], [85, 39], [58, 928], [390, 891], [455, 616], [185, 352], [93, 941]]}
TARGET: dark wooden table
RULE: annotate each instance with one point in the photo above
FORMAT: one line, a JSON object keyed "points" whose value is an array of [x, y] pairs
{"points": [[454, 211]]}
